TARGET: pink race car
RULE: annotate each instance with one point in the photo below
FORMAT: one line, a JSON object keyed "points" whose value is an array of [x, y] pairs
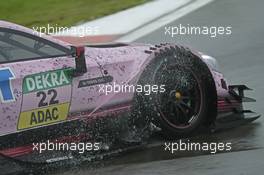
{"points": [[51, 91]]}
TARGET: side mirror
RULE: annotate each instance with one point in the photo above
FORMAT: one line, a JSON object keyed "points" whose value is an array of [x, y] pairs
{"points": [[80, 62]]}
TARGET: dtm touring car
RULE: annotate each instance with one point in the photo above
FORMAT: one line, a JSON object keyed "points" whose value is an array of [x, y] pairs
{"points": [[49, 91]]}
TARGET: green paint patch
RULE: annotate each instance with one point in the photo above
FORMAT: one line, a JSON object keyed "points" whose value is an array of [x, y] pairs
{"points": [[47, 80]]}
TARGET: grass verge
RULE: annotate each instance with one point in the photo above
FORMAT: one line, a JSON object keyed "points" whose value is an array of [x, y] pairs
{"points": [[60, 12]]}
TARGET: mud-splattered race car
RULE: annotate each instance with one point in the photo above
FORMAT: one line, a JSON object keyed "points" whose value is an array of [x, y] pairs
{"points": [[52, 91]]}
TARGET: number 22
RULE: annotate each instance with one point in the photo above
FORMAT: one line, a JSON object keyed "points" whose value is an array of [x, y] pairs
{"points": [[43, 96]]}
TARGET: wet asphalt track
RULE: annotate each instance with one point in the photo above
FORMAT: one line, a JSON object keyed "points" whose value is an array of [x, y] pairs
{"points": [[241, 57]]}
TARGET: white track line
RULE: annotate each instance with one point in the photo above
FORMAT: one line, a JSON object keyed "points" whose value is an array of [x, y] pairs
{"points": [[146, 29]]}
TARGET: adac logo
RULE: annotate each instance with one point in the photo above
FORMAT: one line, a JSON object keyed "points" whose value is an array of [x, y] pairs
{"points": [[6, 91]]}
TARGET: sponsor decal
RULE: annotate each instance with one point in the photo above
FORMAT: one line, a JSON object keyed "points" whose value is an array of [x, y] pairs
{"points": [[47, 80], [43, 116], [46, 98], [95, 81], [6, 91]]}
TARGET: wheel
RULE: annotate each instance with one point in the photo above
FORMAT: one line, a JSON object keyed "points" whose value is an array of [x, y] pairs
{"points": [[183, 106]]}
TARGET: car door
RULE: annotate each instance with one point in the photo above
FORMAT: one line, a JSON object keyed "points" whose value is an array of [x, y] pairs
{"points": [[35, 81]]}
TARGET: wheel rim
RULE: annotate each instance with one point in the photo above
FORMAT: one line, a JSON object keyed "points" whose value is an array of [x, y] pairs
{"points": [[180, 104]]}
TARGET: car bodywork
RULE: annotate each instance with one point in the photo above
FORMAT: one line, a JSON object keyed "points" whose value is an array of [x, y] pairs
{"points": [[42, 99]]}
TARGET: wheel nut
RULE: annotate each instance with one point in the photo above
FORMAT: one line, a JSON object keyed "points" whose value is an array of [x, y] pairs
{"points": [[178, 95]]}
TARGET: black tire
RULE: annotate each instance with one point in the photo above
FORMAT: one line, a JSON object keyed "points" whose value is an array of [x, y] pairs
{"points": [[184, 75]]}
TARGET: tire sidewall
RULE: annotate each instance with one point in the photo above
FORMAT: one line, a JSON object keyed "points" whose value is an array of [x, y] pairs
{"points": [[185, 58]]}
